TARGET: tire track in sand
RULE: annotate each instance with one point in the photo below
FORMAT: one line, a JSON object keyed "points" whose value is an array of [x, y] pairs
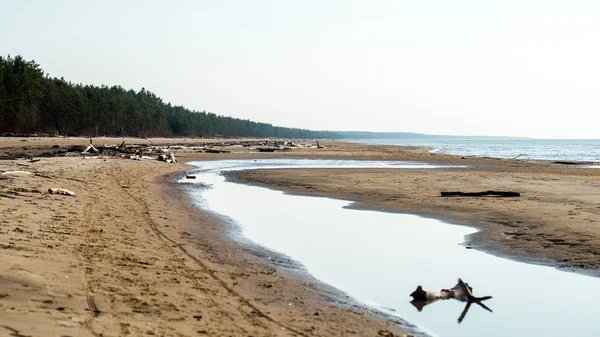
{"points": [[254, 311]]}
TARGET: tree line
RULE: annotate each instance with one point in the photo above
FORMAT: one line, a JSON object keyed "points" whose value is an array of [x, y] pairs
{"points": [[31, 102]]}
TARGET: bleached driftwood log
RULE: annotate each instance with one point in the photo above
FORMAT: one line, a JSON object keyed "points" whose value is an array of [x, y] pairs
{"points": [[61, 191], [168, 158], [17, 173], [138, 155], [90, 147], [171, 158], [461, 291]]}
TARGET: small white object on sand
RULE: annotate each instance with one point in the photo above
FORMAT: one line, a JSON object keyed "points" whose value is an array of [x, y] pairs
{"points": [[61, 191], [17, 173]]}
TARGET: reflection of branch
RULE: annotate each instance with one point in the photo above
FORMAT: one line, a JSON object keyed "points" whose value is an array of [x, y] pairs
{"points": [[421, 304]]}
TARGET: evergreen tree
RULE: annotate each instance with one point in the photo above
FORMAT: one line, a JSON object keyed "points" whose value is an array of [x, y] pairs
{"points": [[30, 102]]}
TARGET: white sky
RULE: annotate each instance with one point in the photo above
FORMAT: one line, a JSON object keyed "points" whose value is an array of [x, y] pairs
{"points": [[510, 67]]}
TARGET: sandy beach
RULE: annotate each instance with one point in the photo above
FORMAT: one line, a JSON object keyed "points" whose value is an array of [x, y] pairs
{"points": [[130, 255]]}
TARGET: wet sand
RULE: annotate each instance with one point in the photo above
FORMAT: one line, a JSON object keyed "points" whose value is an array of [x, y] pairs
{"points": [[130, 254]]}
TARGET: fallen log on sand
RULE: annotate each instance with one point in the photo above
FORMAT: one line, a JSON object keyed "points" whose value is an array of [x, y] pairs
{"points": [[16, 173], [61, 191], [215, 151], [480, 194], [573, 162], [266, 149], [90, 147], [167, 158], [461, 291]]}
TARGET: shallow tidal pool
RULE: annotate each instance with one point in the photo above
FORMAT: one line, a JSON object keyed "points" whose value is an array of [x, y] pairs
{"points": [[379, 258]]}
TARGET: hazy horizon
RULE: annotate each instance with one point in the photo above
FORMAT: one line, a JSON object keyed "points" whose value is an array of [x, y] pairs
{"points": [[467, 68]]}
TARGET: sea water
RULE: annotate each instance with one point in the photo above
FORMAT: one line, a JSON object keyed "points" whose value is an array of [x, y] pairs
{"points": [[548, 149]]}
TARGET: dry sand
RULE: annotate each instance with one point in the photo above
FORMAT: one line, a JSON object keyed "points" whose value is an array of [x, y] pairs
{"points": [[130, 255]]}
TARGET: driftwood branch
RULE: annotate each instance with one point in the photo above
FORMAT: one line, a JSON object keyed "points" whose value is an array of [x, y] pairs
{"points": [[461, 291], [463, 314], [571, 162], [60, 191], [480, 194], [16, 173], [168, 158], [90, 147]]}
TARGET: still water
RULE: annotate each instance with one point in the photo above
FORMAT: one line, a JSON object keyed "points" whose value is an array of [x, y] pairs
{"points": [[548, 149], [379, 259]]}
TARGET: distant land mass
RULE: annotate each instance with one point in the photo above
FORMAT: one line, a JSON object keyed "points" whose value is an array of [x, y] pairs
{"points": [[412, 135]]}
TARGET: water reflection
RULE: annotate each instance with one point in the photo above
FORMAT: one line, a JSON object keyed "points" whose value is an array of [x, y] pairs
{"points": [[233, 165], [378, 258]]}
